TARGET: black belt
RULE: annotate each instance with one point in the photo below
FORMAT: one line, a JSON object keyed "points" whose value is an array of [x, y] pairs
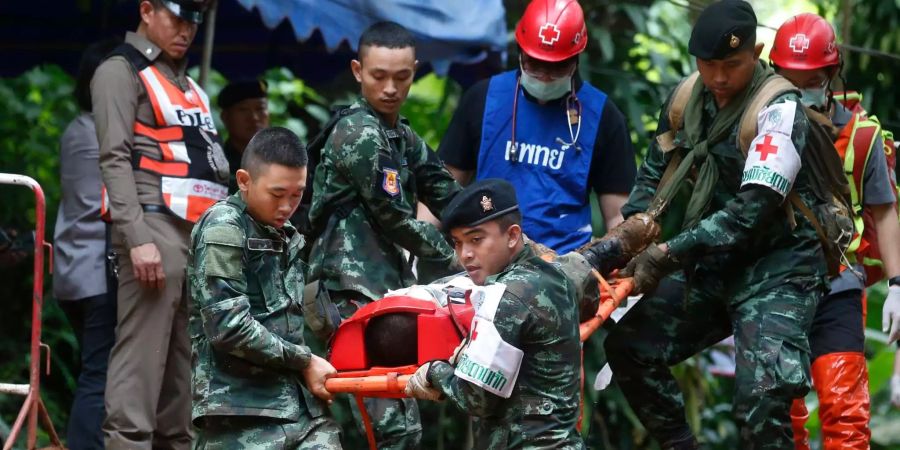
{"points": [[160, 209]]}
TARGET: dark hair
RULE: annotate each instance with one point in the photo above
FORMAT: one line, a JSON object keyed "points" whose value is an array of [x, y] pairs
{"points": [[385, 34], [392, 340], [274, 145], [509, 219], [93, 55]]}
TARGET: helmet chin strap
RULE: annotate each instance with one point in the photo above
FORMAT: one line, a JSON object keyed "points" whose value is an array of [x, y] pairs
{"points": [[573, 121]]}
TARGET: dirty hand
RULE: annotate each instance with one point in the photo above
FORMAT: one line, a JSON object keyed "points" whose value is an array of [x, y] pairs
{"points": [[147, 263], [648, 268], [419, 387], [315, 375], [622, 243], [890, 314]]}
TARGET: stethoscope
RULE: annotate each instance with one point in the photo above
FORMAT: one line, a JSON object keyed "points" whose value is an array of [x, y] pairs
{"points": [[573, 119]]}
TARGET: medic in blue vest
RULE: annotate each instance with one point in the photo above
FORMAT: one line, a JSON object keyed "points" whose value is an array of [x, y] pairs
{"points": [[555, 137]]}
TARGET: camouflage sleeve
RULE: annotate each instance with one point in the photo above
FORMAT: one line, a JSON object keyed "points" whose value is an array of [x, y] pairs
{"points": [[363, 157], [775, 153], [510, 321], [649, 174], [436, 187], [220, 295]]}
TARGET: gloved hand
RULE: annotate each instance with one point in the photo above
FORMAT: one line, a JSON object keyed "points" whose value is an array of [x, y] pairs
{"points": [[419, 387], [622, 243], [890, 314], [648, 268], [895, 390]]}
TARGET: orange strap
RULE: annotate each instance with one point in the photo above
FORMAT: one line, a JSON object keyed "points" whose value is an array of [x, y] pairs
{"points": [[367, 422]]}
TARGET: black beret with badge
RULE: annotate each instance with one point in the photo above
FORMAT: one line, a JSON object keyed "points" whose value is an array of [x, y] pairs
{"points": [[723, 28], [480, 202], [239, 91]]}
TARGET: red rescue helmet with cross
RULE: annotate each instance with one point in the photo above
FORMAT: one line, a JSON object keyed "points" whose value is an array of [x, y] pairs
{"points": [[552, 30], [805, 42]]}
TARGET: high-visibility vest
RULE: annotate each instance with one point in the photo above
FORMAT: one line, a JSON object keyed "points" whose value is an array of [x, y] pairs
{"points": [[854, 144], [193, 170]]}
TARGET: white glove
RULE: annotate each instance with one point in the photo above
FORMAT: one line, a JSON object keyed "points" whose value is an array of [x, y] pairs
{"points": [[895, 390], [419, 387], [890, 315], [604, 378]]}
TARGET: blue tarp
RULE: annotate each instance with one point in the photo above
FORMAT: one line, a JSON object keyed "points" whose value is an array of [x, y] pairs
{"points": [[253, 35], [447, 31]]}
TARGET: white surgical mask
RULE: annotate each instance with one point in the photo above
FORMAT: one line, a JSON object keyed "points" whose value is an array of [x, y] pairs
{"points": [[546, 90], [814, 97]]}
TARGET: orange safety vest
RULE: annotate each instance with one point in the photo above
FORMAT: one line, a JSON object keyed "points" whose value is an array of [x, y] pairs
{"points": [[193, 169], [854, 143]]}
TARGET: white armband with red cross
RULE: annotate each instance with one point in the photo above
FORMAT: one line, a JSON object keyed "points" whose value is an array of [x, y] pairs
{"points": [[772, 159], [488, 361]]}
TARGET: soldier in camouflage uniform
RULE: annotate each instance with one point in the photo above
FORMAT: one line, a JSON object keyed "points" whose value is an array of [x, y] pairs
{"points": [[518, 370], [748, 271], [255, 383], [373, 170]]}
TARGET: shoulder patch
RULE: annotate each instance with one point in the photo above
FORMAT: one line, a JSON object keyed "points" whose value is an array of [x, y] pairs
{"points": [[223, 234], [777, 118]]}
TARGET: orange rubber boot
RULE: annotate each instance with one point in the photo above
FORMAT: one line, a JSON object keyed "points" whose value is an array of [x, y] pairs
{"points": [[799, 416], [842, 383]]}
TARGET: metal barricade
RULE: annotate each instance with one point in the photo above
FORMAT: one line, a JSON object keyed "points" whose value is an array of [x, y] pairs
{"points": [[33, 408]]}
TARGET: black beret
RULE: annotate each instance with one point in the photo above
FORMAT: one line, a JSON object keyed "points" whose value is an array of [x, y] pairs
{"points": [[723, 28], [480, 202], [241, 90]]}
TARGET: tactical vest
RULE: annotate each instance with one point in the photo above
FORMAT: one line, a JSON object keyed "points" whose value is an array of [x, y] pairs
{"points": [[854, 144], [193, 170], [551, 181]]}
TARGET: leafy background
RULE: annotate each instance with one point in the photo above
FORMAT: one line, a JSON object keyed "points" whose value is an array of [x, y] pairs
{"points": [[637, 54]]}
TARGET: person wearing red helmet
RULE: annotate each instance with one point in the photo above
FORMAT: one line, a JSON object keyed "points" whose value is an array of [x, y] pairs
{"points": [[805, 52], [555, 137]]}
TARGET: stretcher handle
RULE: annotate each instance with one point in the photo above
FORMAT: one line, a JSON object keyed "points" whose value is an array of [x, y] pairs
{"points": [[611, 296], [390, 383]]}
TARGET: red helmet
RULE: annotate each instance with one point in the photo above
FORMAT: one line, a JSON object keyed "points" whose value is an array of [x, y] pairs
{"points": [[552, 30], [805, 42]]}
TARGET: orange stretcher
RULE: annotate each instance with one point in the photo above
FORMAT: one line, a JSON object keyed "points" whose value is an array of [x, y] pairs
{"points": [[390, 382]]}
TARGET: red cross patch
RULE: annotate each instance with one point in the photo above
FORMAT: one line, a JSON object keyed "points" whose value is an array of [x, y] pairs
{"points": [[765, 148], [549, 34], [799, 43], [474, 332]]}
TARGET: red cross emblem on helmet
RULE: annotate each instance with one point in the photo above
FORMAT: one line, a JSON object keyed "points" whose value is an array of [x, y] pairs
{"points": [[552, 30], [805, 42], [549, 34], [799, 43]]}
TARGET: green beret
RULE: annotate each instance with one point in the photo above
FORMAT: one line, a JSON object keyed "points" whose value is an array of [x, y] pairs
{"points": [[480, 202], [723, 28]]}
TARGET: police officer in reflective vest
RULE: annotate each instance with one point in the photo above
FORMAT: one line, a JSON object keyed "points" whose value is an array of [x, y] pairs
{"points": [[805, 52], [555, 137], [162, 165]]}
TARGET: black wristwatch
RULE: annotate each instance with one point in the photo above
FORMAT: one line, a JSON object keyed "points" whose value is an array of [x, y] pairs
{"points": [[895, 281]]}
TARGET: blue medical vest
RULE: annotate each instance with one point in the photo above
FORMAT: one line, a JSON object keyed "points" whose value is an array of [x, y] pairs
{"points": [[551, 182]]}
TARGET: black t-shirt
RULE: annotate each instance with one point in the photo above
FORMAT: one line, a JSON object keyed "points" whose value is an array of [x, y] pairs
{"points": [[613, 166]]}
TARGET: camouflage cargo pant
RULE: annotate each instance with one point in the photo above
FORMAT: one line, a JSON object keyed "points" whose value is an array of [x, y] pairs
{"points": [[396, 422], [770, 334], [242, 432]]}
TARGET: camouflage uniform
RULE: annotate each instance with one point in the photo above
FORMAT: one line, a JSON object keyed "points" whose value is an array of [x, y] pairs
{"points": [[246, 282], [537, 314], [748, 273], [364, 208]]}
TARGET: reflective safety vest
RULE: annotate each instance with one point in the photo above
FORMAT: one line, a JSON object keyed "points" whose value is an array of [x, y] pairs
{"points": [[854, 143], [193, 169]]}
